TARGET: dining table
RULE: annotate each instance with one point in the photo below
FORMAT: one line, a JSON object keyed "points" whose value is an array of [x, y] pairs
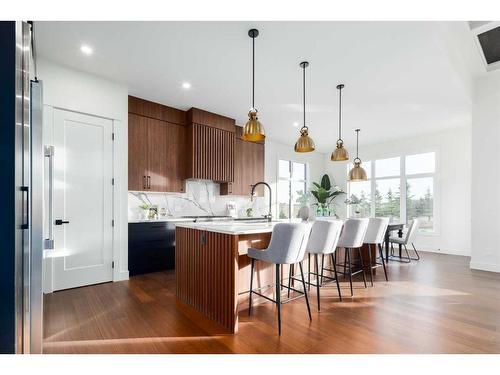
{"points": [[391, 228]]}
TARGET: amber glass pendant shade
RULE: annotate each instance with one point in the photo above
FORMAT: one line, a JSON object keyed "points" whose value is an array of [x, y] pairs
{"points": [[253, 131], [304, 143], [340, 153], [357, 173]]}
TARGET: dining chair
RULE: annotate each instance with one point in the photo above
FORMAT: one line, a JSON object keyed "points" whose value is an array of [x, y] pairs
{"points": [[323, 241], [408, 238], [352, 238], [287, 246], [375, 235]]}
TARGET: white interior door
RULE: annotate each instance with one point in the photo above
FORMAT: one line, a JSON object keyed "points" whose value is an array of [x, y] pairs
{"points": [[83, 197]]}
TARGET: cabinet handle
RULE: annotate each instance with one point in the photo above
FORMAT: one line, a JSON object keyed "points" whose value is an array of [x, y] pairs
{"points": [[149, 182], [144, 186]]}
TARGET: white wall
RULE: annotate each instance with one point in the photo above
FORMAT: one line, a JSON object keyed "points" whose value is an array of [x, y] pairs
{"points": [[486, 173], [453, 188], [81, 92], [276, 151]]}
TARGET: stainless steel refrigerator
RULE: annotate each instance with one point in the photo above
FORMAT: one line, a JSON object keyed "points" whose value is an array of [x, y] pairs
{"points": [[29, 161]]}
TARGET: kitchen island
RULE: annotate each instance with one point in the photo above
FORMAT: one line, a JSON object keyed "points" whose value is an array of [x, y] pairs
{"points": [[213, 270]]}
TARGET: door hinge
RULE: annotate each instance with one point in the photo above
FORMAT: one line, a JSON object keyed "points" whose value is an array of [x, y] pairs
{"points": [[112, 181], [112, 223], [112, 136], [48, 244], [113, 264], [48, 151]]}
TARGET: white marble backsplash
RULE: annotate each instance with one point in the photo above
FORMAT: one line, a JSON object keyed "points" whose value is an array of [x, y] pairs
{"points": [[200, 198]]}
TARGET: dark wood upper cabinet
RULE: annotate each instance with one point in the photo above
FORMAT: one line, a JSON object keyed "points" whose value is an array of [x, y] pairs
{"points": [[167, 146], [155, 148], [210, 140], [248, 167], [138, 163]]}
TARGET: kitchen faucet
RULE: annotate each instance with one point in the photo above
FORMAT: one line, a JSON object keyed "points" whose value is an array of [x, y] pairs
{"points": [[269, 216]]}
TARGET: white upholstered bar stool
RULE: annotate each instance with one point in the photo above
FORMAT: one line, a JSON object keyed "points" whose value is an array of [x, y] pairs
{"points": [[408, 238], [287, 246], [323, 241], [352, 237], [375, 235]]}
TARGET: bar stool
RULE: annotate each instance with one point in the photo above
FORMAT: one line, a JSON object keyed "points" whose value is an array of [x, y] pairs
{"points": [[323, 241], [375, 234], [407, 238], [287, 246], [352, 238]]}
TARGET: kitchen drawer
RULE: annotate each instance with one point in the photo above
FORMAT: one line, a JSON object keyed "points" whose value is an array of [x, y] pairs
{"points": [[151, 247]]}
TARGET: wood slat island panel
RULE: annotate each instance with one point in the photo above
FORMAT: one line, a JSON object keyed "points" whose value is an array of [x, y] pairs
{"points": [[213, 272], [206, 268]]}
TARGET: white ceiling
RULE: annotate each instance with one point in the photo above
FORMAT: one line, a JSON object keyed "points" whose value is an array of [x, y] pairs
{"points": [[402, 78]]}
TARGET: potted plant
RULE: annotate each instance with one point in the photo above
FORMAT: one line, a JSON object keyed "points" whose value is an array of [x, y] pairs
{"points": [[325, 193], [303, 200]]}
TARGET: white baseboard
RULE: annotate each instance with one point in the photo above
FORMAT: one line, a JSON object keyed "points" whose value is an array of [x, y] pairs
{"points": [[444, 251], [122, 275], [491, 267]]}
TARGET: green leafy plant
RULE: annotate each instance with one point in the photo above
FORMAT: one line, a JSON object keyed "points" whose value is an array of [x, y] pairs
{"points": [[303, 197], [144, 206], [324, 192]]}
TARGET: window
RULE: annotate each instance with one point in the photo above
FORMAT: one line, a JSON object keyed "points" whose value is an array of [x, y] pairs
{"points": [[387, 198], [420, 170], [360, 194], [292, 184], [382, 196]]}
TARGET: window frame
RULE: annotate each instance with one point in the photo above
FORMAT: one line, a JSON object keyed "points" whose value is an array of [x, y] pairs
{"points": [[290, 179], [403, 179]]}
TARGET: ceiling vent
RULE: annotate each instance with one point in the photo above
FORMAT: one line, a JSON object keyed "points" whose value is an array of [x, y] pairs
{"points": [[487, 37]]}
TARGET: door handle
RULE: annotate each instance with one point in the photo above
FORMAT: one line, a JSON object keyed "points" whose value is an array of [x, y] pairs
{"points": [[149, 182], [144, 183], [61, 222], [25, 223], [49, 154]]}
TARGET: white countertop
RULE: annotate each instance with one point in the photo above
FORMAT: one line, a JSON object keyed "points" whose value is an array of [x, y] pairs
{"points": [[235, 228], [161, 220]]}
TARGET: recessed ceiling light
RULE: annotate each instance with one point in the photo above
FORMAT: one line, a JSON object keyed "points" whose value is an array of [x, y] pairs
{"points": [[186, 85], [295, 124], [86, 50]]}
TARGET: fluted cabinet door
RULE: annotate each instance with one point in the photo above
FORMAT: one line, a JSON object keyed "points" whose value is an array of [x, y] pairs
{"points": [[212, 154]]}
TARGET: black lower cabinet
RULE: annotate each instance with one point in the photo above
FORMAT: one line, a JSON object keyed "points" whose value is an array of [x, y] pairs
{"points": [[151, 247]]}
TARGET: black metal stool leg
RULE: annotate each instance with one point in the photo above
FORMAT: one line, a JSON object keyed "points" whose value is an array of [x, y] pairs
{"points": [[416, 252], [336, 277], [322, 267], [407, 254], [370, 262], [383, 261], [346, 255], [278, 296], [305, 291], [317, 279], [291, 272], [308, 271], [350, 270], [251, 286], [362, 265]]}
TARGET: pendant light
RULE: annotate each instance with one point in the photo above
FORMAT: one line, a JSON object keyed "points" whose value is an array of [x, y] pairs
{"points": [[304, 143], [253, 130], [340, 153], [357, 173]]}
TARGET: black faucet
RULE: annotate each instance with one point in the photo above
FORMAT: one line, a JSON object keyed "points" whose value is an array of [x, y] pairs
{"points": [[269, 216]]}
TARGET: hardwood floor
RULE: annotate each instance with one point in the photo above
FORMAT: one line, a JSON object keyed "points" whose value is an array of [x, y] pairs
{"points": [[437, 305]]}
